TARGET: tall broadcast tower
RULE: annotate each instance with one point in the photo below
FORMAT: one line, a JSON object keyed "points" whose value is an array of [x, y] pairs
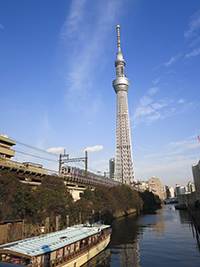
{"points": [[123, 153]]}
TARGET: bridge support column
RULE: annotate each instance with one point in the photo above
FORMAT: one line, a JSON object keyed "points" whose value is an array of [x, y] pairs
{"points": [[67, 220], [79, 217]]}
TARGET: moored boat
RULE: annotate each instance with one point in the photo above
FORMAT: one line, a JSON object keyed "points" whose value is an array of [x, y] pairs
{"points": [[71, 247]]}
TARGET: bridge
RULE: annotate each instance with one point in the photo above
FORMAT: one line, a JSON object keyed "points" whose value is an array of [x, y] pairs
{"points": [[75, 180], [170, 200]]}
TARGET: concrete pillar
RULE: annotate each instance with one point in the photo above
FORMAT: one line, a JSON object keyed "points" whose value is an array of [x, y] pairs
{"points": [[80, 217], [47, 225], [57, 223], [92, 216], [23, 230], [67, 220]]}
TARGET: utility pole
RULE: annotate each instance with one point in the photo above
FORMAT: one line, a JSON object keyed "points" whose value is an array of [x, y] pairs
{"points": [[60, 160], [84, 159]]}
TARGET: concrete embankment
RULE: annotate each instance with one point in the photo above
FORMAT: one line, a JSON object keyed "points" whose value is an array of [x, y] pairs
{"points": [[124, 213]]}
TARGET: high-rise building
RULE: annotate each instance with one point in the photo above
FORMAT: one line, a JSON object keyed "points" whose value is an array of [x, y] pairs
{"points": [[112, 168], [179, 190], [123, 152], [191, 187], [196, 176]]}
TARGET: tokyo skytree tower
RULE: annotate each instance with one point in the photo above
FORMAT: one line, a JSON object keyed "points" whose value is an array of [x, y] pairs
{"points": [[123, 153]]}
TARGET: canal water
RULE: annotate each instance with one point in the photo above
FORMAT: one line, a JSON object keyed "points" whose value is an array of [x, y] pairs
{"points": [[166, 238]]}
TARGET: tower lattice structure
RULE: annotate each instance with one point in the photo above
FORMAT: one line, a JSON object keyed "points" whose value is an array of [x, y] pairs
{"points": [[123, 153]]}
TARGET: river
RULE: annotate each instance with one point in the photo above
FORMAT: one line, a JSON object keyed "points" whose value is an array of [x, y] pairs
{"points": [[165, 238]]}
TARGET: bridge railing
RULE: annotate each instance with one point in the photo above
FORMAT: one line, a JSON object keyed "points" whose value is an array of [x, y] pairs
{"points": [[38, 170]]}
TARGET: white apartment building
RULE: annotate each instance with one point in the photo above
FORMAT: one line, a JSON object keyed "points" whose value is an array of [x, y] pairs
{"points": [[169, 191], [156, 187]]}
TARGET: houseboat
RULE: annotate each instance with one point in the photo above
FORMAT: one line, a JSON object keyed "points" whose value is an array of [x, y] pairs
{"points": [[71, 247]]}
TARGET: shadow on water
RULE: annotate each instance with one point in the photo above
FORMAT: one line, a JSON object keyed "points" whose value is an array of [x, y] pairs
{"points": [[102, 259], [185, 219], [164, 238]]}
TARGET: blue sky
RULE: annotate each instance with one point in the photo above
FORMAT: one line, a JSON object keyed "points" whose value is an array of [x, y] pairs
{"points": [[56, 72]]}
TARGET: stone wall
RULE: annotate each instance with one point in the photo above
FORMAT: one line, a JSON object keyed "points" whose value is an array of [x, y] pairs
{"points": [[187, 199]]}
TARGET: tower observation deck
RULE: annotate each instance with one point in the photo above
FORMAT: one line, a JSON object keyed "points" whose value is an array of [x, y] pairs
{"points": [[123, 152]]}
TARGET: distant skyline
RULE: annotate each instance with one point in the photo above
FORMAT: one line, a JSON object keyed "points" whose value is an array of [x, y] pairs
{"points": [[56, 72]]}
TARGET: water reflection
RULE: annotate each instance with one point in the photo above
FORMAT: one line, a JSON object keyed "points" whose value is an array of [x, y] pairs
{"points": [[102, 259], [159, 229], [185, 219], [125, 240], [162, 239]]}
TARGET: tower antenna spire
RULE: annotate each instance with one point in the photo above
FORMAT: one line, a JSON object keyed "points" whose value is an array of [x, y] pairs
{"points": [[118, 38]]}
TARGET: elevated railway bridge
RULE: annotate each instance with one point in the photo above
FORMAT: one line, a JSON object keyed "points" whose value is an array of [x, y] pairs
{"points": [[73, 177]]}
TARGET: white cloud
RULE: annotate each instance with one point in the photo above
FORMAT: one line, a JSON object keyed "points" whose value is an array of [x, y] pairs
{"points": [[195, 136], [1, 26], [145, 100], [76, 16], [181, 146], [175, 157], [194, 24], [93, 148], [172, 59], [154, 117], [181, 101], [56, 150], [142, 111], [147, 112], [153, 90], [195, 42], [195, 52], [83, 45], [155, 81], [161, 103]]}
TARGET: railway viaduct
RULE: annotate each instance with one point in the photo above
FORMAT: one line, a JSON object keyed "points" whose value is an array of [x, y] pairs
{"points": [[32, 176]]}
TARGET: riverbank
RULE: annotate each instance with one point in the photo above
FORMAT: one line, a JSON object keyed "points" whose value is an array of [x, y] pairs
{"points": [[52, 200], [163, 238]]}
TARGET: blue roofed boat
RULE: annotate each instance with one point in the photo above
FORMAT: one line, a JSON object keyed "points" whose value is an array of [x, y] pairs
{"points": [[71, 247]]}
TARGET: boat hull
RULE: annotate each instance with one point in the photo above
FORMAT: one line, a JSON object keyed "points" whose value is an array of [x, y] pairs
{"points": [[87, 254]]}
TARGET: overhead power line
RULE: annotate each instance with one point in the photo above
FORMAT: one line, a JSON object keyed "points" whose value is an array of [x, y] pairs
{"points": [[35, 156], [44, 151], [38, 149]]}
